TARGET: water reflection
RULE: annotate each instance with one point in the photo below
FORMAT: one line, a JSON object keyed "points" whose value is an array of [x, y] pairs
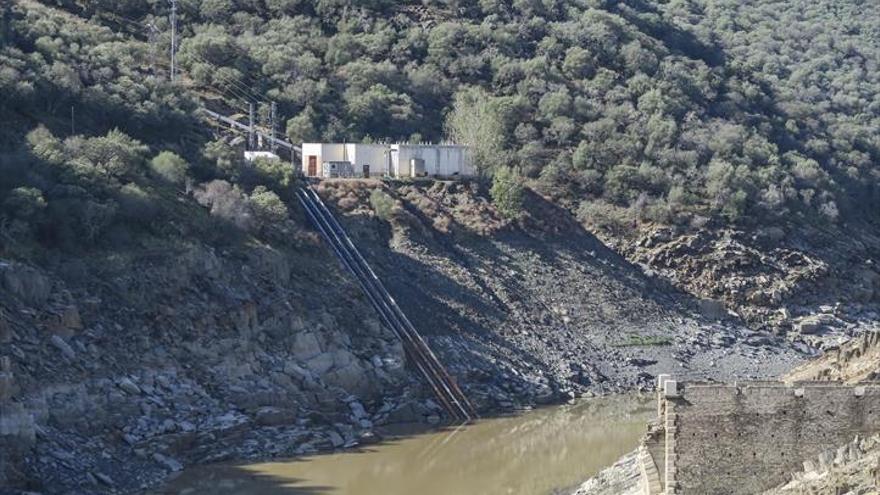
{"points": [[536, 453]]}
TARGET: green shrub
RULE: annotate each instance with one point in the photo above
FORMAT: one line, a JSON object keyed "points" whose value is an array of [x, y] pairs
{"points": [[507, 191], [382, 204], [170, 167], [268, 207], [276, 175], [45, 146], [24, 203], [606, 216]]}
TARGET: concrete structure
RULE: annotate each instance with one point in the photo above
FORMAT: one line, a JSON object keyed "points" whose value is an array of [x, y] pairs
{"points": [[253, 155], [443, 160], [745, 438], [395, 160]]}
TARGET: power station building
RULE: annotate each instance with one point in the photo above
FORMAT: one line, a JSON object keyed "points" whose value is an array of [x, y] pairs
{"points": [[381, 160]]}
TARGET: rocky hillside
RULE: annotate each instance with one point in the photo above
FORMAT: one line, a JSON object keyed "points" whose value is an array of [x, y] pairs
{"points": [[540, 293], [121, 366], [818, 286]]}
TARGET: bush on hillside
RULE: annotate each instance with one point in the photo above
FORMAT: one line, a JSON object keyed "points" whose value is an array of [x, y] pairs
{"points": [[507, 191], [271, 173], [170, 167], [268, 207], [226, 202], [383, 204]]}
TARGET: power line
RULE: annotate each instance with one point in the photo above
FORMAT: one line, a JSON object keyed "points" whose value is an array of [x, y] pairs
{"points": [[229, 80], [224, 92]]}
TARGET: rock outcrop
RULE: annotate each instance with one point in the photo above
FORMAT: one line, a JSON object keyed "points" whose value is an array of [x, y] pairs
{"points": [[855, 361], [819, 286], [853, 469]]}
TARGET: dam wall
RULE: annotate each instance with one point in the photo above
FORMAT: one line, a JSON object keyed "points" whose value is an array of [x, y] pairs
{"points": [[744, 438]]}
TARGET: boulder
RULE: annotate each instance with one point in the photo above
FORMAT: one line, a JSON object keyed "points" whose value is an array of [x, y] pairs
{"points": [[63, 346], [25, 283], [357, 410], [409, 412], [815, 324], [129, 387], [65, 321], [349, 374], [306, 346], [713, 309], [320, 364], [335, 439], [170, 463], [274, 416]]}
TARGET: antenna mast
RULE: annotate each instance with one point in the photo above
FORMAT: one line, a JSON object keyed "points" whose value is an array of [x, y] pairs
{"points": [[272, 121]]}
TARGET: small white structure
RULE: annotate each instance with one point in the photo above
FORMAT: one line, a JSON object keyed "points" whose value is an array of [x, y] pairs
{"points": [[396, 160], [253, 155]]}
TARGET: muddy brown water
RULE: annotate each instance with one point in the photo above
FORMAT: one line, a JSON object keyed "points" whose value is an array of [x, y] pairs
{"points": [[545, 451]]}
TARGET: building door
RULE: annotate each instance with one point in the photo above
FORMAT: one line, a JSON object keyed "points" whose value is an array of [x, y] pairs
{"points": [[313, 166], [366, 171]]}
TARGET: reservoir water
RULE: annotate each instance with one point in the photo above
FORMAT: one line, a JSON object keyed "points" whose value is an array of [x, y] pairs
{"points": [[540, 452]]}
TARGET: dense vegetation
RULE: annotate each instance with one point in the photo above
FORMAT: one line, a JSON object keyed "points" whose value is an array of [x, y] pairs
{"points": [[672, 111]]}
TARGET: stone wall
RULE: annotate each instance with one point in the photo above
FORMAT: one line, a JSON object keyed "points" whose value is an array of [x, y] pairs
{"points": [[750, 437]]}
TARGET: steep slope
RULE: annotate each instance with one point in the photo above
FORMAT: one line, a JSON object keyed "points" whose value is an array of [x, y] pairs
{"points": [[541, 293]]}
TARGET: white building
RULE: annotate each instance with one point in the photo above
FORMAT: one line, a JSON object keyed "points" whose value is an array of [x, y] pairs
{"points": [[396, 160], [253, 155]]}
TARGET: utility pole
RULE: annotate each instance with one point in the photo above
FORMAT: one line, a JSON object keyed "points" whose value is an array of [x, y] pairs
{"points": [[251, 141], [272, 121], [173, 40], [72, 121]]}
